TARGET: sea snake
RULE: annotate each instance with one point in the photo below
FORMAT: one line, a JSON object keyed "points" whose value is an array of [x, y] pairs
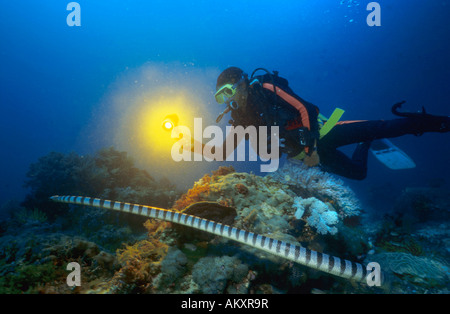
{"points": [[316, 260]]}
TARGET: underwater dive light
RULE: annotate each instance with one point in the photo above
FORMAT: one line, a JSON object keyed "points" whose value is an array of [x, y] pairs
{"points": [[170, 122]]}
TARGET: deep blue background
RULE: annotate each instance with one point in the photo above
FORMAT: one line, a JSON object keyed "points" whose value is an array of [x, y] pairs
{"points": [[53, 77]]}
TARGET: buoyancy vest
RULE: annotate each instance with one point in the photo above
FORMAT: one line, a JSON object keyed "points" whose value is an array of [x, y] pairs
{"points": [[303, 123]]}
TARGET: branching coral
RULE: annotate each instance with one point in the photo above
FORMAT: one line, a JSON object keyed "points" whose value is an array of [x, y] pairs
{"points": [[156, 228], [140, 264], [316, 183], [319, 215], [30, 216], [323, 219]]}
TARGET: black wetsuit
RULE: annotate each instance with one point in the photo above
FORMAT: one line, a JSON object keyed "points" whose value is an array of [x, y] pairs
{"points": [[363, 133], [263, 108]]}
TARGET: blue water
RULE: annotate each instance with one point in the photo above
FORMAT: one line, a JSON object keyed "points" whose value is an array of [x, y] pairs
{"points": [[55, 80]]}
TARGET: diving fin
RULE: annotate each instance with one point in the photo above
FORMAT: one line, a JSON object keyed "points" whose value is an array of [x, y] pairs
{"points": [[398, 105], [390, 155]]}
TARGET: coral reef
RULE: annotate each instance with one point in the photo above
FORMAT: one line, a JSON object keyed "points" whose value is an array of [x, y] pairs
{"points": [[109, 174], [37, 264], [320, 216], [208, 210], [311, 181], [28, 277], [25, 216], [411, 243], [38, 236], [268, 205], [265, 200], [140, 263], [260, 204], [173, 267], [201, 189], [424, 204], [300, 205], [214, 274], [422, 271]]}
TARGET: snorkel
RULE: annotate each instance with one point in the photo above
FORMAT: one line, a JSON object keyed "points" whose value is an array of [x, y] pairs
{"points": [[232, 105]]}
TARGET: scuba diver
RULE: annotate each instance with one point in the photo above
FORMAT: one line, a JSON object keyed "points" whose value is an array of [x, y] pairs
{"points": [[305, 134]]}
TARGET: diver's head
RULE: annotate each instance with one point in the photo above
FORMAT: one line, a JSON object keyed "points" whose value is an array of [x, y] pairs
{"points": [[232, 86]]}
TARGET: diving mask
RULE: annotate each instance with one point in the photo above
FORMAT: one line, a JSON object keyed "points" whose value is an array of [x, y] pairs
{"points": [[226, 92]]}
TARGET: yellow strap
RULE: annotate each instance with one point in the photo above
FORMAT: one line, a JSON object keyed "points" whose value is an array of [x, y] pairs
{"points": [[331, 122], [300, 156], [322, 117], [334, 118]]}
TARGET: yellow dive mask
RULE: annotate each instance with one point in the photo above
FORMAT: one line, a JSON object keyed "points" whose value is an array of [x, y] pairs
{"points": [[226, 92]]}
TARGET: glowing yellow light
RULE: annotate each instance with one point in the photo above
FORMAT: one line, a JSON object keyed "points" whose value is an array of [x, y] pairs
{"points": [[170, 122], [132, 113], [147, 128], [168, 125]]}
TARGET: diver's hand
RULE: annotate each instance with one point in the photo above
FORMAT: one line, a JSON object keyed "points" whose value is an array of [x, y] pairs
{"points": [[313, 160]]}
